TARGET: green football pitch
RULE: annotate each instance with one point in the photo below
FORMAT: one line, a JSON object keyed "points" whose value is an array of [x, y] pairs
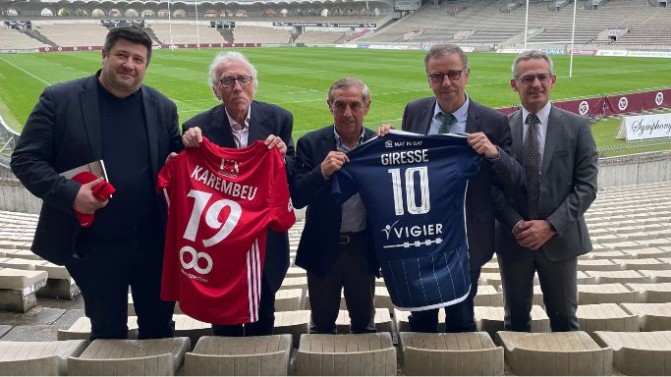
{"points": [[298, 79]]}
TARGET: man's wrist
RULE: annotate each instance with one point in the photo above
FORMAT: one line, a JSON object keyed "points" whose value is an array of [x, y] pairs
{"points": [[495, 158], [552, 227]]}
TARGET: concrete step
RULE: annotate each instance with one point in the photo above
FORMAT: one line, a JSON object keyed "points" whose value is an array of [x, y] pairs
{"points": [[651, 317], [360, 354], [645, 353], [121, 357], [605, 317], [38, 358], [555, 354], [250, 356], [464, 354]]}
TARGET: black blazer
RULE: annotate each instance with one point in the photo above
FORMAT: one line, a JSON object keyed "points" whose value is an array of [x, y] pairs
{"points": [[505, 172], [63, 132], [568, 187], [318, 248], [265, 119]]}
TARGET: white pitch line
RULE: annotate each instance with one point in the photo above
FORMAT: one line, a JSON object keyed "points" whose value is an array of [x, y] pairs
{"points": [[26, 72]]}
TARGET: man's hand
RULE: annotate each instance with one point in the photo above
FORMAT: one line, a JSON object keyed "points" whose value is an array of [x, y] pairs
{"points": [[192, 137], [333, 162], [170, 156], [533, 234], [85, 202], [275, 141], [384, 129], [481, 144]]}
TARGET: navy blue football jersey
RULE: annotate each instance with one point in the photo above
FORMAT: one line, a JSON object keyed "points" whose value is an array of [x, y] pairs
{"points": [[414, 189]]}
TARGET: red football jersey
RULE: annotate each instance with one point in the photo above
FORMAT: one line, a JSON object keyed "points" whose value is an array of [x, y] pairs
{"points": [[220, 203]]}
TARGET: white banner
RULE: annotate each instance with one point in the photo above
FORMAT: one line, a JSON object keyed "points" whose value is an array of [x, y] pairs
{"points": [[645, 127]]}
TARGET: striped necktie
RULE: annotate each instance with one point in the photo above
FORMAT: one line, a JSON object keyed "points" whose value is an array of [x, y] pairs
{"points": [[532, 165], [446, 122]]}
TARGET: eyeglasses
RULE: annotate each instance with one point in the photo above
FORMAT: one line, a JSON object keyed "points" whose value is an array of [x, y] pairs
{"points": [[341, 105], [229, 81], [438, 77], [530, 79]]}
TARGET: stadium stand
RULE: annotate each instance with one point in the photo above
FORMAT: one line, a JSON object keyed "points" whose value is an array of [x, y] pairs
{"points": [[13, 39], [622, 254], [185, 32], [90, 33]]}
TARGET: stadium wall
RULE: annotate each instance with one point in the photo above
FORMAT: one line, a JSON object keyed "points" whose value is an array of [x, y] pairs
{"points": [[613, 171]]}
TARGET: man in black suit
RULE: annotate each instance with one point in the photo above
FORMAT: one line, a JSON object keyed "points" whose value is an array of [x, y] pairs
{"points": [[109, 116], [541, 227], [451, 110], [236, 123], [335, 247]]}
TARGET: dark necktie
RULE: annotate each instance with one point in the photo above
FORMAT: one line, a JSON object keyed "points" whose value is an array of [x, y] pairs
{"points": [[532, 165], [446, 122]]}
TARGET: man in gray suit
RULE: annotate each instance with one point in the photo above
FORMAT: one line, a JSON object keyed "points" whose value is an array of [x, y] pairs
{"points": [[541, 227]]}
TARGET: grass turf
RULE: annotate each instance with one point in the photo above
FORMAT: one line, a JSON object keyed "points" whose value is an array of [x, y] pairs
{"points": [[298, 79]]}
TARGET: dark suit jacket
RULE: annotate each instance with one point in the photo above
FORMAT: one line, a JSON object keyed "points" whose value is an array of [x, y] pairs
{"points": [[568, 187], [265, 119], [63, 132], [506, 172], [319, 246]]}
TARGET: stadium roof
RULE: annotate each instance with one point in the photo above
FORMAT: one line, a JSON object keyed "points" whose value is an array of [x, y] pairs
{"points": [[197, 1]]}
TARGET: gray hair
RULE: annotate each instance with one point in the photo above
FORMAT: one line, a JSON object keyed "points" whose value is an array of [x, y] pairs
{"points": [[347, 82], [444, 49], [229, 57], [531, 54]]}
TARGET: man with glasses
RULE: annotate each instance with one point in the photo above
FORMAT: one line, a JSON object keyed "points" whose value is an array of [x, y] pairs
{"points": [[237, 122], [452, 111], [335, 247], [545, 233]]}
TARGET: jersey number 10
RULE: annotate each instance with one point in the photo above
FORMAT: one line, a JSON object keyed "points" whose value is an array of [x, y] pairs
{"points": [[411, 200]]}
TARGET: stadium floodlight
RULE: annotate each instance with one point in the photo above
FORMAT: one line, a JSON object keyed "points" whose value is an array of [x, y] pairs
{"points": [[195, 2], [570, 65], [526, 25], [170, 24]]}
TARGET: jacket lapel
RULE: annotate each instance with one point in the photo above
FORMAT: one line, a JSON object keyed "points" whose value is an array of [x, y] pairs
{"points": [[90, 113], [472, 119], [517, 132], [220, 129], [257, 128], [552, 137], [151, 120], [425, 118]]}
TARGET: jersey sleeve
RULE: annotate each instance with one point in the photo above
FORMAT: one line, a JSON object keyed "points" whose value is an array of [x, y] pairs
{"points": [[283, 215], [343, 184], [165, 174]]}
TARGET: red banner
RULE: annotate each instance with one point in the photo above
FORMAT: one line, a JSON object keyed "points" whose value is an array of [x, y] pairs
{"points": [[597, 107]]}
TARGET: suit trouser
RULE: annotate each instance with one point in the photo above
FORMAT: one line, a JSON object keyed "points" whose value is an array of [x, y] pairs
{"points": [[350, 272], [558, 282], [266, 322], [105, 270], [458, 318]]}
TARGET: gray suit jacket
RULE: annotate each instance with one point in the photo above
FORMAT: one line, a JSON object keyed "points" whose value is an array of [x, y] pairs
{"points": [[568, 187], [506, 172]]}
